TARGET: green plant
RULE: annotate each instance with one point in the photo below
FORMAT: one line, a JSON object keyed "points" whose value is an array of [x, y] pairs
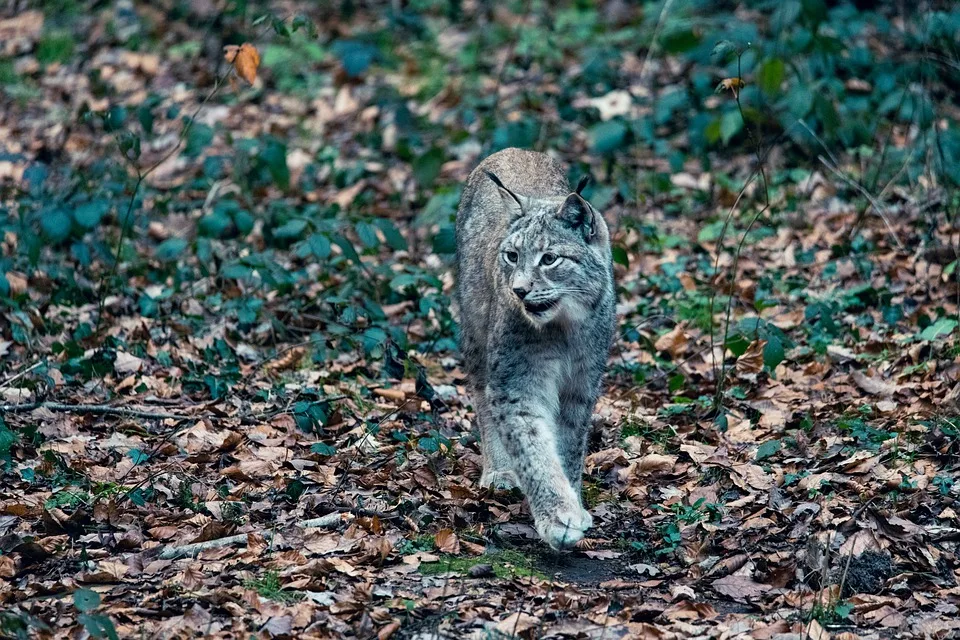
{"points": [[268, 586], [98, 625]]}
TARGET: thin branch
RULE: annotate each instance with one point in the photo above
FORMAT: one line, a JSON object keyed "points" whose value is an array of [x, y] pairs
{"points": [[6, 383], [98, 409], [866, 194], [190, 550]]}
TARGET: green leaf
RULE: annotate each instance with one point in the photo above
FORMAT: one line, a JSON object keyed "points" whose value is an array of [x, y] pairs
{"points": [[773, 352], [89, 214], [737, 344], [322, 449], [170, 249], [770, 76], [319, 246], [722, 52], [86, 599], [942, 327], [767, 449], [347, 248], [274, 156], [55, 224], [138, 457], [291, 229], [445, 241], [395, 240], [426, 167], [607, 137], [620, 255], [826, 111], [98, 626], [367, 234], [115, 118], [799, 100], [730, 125]]}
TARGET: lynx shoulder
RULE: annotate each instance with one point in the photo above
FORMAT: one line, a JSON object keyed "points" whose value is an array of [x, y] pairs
{"points": [[536, 297]]}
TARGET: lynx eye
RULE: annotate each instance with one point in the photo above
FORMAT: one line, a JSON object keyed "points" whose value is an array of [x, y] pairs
{"points": [[548, 259], [511, 256]]}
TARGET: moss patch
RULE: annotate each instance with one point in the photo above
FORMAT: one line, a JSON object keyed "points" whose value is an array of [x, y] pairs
{"points": [[506, 564]]}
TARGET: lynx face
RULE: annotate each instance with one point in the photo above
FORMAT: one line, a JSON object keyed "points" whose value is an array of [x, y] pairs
{"points": [[552, 261]]}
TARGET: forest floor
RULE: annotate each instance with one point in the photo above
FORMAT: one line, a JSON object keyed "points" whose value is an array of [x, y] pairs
{"points": [[775, 454]]}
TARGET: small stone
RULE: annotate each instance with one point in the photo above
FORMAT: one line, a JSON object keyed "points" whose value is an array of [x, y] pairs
{"points": [[480, 571]]}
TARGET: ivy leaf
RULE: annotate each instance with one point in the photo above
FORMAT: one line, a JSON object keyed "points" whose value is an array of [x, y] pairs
{"points": [[767, 449], [170, 249], [86, 599], [722, 52], [942, 327], [730, 125], [89, 214], [770, 76], [55, 224], [607, 137]]}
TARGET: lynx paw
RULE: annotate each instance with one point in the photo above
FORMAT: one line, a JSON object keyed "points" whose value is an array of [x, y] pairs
{"points": [[565, 527], [498, 479]]}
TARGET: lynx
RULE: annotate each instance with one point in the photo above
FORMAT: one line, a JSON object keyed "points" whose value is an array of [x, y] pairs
{"points": [[537, 308]]}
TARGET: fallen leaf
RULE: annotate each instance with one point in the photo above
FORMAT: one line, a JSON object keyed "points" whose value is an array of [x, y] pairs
{"points": [[751, 360], [245, 60], [447, 542], [873, 386]]}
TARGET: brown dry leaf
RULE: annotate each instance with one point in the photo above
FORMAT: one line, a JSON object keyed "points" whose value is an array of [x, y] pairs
{"points": [[245, 59], [17, 282], [390, 394], [733, 85], [289, 360], [8, 567], [673, 342], [192, 577], [654, 463], [388, 630], [739, 588], [751, 360], [516, 624], [686, 610], [873, 386], [446, 541]]}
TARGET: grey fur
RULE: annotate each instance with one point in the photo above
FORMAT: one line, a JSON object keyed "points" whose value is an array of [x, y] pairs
{"points": [[534, 365]]}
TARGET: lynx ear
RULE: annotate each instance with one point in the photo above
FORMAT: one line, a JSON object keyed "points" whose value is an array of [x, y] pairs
{"points": [[513, 203], [579, 215]]}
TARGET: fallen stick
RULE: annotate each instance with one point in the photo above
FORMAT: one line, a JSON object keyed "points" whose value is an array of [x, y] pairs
{"points": [[100, 409], [183, 551]]}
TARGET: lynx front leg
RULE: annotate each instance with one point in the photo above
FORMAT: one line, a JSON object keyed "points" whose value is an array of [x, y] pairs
{"points": [[573, 430], [496, 464], [526, 428]]}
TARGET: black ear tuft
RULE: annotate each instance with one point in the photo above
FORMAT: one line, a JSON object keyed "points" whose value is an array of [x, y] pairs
{"points": [[495, 179], [511, 200], [584, 181]]}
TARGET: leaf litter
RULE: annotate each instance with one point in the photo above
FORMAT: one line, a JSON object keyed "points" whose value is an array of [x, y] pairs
{"points": [[321, 479]]}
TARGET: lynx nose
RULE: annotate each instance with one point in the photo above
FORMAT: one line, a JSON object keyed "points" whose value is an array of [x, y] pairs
{"points": [[521, 291]]}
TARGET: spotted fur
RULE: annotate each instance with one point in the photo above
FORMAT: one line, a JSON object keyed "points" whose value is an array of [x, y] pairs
{"points": [[536, 297]]}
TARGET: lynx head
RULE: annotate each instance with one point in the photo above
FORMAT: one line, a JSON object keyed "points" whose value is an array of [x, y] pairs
{"points": [[555, 258]]}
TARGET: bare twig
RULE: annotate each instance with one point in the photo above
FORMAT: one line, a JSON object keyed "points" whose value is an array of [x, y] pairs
{"points": [[99, 409], [6, 383], [189, 550], [866, 194]]}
